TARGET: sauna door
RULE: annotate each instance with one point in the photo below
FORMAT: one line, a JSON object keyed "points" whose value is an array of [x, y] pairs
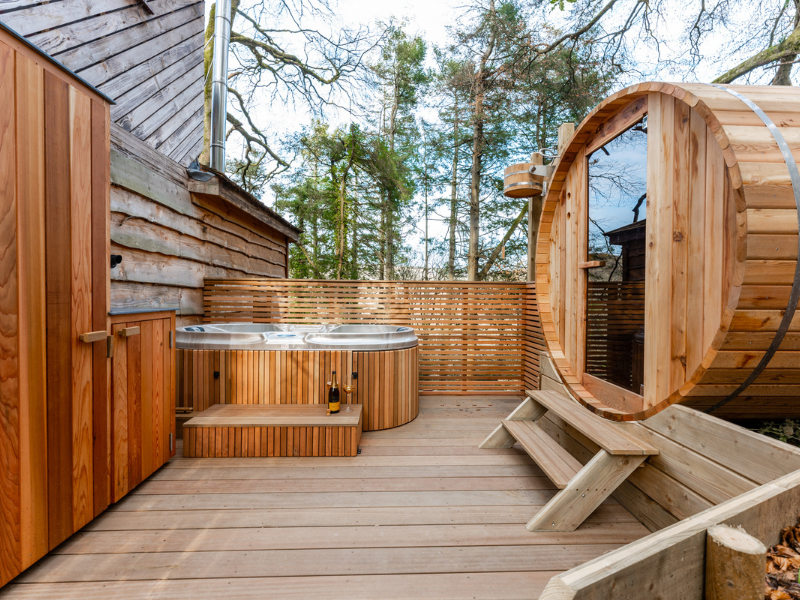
{"points": [[615, 262], [143, 393]]}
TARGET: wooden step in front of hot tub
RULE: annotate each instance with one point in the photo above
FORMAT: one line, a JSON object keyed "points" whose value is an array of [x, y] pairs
{"points": [[236, 430]]}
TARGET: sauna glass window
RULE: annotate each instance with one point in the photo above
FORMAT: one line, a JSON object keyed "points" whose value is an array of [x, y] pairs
{"points": [[615, 291]]}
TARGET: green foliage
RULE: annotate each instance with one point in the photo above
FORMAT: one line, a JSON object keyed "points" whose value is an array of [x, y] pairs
{"points": [[359, 192], [787, 431], [560, 4]]}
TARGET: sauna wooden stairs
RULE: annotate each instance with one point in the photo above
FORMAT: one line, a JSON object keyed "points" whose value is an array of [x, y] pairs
{"points": [[582, 488]]}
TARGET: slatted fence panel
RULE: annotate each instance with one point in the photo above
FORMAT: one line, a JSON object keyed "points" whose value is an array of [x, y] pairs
{"points": [[614, 313], [475, 337]]}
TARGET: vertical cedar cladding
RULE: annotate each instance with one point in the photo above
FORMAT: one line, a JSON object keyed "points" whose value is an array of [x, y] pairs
{"points": [[54, 214]]}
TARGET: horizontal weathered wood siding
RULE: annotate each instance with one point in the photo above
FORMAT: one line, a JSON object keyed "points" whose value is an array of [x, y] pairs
{"points": [[171, 240], [150, 64]]}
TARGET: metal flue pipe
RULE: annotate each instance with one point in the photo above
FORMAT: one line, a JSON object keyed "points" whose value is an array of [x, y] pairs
{"points": [[219, 85]]}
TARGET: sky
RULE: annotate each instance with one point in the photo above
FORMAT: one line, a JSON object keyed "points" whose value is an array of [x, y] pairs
{"points": [[431, 18]]}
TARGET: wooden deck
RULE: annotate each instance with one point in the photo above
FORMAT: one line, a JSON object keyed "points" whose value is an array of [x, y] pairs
{"points": [[420, 513]]}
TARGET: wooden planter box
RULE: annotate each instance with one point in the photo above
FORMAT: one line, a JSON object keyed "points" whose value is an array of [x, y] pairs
{"points": [[228, 430]]}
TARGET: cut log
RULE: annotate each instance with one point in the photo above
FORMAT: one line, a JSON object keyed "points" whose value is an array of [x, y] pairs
{"points": [[735, 565]]}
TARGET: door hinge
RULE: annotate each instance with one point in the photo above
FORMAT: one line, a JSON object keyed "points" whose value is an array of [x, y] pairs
{"points": [[170, 442], [170, 339], [110, 346]]}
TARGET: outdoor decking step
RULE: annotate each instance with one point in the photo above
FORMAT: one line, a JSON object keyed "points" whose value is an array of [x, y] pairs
{"points": [[603, 433], [555, 461]]}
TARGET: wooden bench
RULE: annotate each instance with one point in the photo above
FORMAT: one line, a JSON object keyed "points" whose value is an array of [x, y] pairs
{"points": [[228, 430], [582, 487]]}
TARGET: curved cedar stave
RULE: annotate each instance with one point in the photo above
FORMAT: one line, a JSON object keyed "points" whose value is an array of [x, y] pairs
{"points": [[387, 385], [752, 248]]}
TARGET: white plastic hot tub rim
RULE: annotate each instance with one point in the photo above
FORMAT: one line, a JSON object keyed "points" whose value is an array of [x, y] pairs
{"points": [[246, 336]]}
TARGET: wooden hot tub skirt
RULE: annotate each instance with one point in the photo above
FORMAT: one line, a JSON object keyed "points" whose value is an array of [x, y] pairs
{"points": [[387, 383]]}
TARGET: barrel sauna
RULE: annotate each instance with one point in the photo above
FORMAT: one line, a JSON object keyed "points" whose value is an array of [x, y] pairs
{"points": [[721, 281]]}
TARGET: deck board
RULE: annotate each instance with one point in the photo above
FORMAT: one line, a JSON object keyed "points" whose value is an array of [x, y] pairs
{"points": [[421, 513]]}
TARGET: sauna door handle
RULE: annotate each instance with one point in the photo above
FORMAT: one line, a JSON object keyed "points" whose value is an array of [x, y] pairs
{"points": [[99, 336], [591, 264], [129, 331], [93, 336]]}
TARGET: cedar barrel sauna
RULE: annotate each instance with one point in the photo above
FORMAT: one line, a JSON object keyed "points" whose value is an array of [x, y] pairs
{"points": [[721, 284]]}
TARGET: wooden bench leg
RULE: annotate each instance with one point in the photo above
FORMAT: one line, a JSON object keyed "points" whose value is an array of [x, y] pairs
{"points": [[585, 492], [499, 438], [529, 410]]}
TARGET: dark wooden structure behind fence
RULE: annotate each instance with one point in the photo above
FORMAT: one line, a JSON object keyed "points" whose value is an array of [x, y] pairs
{"points": [[474, 337]]}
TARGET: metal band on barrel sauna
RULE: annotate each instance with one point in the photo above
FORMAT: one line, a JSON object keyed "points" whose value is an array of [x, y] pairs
{"points": [[794, 295]]}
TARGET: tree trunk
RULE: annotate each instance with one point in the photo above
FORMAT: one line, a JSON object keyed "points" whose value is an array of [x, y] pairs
{"points": [[496, 252], [391, 193], [342, 202], [425, 184], [477, 155], [784, 74], [382, 239], [354, 247], [475, 183], [451, 258]]}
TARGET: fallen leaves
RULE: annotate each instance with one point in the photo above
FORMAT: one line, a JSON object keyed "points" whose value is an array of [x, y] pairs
{"points": [[783, 566]]}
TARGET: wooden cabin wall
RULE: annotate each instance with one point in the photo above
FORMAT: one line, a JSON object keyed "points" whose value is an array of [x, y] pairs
{"points": [[54, 207], [150, 64], [170, 240]]}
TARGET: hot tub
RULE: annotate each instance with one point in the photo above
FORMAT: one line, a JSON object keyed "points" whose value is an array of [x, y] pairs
{"points": [[260, 363]]}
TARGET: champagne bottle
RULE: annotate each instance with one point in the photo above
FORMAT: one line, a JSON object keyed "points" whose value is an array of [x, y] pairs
{"points": [[333, 396]]}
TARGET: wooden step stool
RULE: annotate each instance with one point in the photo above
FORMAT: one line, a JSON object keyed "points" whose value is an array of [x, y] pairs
{"points": [[582, 487], [227, 430]]}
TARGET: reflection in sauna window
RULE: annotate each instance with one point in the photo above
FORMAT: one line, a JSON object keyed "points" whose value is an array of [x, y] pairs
{"points": [[615, 290]]}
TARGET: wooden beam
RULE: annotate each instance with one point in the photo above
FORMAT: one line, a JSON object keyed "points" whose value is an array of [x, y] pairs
{"points": [[499, 438], [672, 560], [585, 492]]}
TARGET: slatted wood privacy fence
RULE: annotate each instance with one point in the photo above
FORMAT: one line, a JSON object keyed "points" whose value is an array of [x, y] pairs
{"points": [[614, 313], [475, 337]]}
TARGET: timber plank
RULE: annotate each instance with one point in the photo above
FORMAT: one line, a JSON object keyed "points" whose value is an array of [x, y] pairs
{"points": [[301, 538], [29, 103], [10, 493], [500, 585], [342, 517], [283, 563], [59, 334], [556, 462], [100, 282], [599, 431], [81, 302]]}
